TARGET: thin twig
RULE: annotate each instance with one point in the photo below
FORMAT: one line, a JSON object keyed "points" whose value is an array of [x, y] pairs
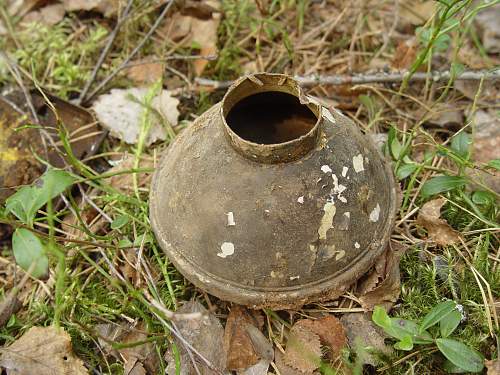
{"points": [[132, 54], [169, 58], [308, 81], [105, 51]]}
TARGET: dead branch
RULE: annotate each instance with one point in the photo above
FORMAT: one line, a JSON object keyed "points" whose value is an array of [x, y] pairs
{"points": [[309, 81]]}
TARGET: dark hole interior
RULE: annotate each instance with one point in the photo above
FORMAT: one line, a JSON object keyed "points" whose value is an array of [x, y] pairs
{"points": [[270, 117]]}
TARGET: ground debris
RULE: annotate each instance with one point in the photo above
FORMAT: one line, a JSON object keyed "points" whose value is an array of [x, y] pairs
{"points": [[124, 182], [493, 367], [438, 229], [244, 343], [330, 332], [205, 335], [49, 15], [487, 20], [303, 349], [145, 71], [362, 335], [121, 111], [108, 8], [42, 350], [383, 285], [138, 359]]}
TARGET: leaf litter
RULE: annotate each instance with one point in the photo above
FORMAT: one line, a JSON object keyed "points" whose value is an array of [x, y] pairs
{"points": [[438, 229]]}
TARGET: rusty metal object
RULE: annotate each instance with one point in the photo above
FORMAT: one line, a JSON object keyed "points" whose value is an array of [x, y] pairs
{"points": [[270, 200]]}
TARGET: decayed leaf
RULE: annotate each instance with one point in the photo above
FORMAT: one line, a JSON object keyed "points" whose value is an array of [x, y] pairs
{"points": [[205, 335], [196, 27], [405, 54], [260, 368], [493, 367], [108, 8], [42, 350], [124, 182], [244, 343], [438, 229], [382, 285], [303, 349], [120, 111], [145, 72], [138, 359], [330, 332], [283, 368], [362, 332], [487, 20], [416, 12], [49, 15]]}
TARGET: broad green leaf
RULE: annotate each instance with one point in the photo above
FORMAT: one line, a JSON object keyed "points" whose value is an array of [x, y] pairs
{"points": [[441, 184], [406, 343], [449, 323], [452, 369], [381, 318], [125, 242], [119, 222], [393, 144], [437, 313], [402, 327], [460, 143], [483, 197], [460, 354], [28, 248], [28, 200], [405, 170], [495, 163]]}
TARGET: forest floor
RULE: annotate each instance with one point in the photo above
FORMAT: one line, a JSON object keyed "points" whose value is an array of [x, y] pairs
{"points": [[397, 68]]}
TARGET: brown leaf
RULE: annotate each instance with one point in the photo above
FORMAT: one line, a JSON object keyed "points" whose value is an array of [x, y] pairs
{"points": [[197, 25], [205, 335], [493, 367], [283, 368], [487, 20], [303, 349], [125, 182], [145, 72], [405, 54], [42, 350], [416, 12], [49, 15], [362, 332], [438, 229], [243, 342], [382, 285], [137, 358], [108, 8], [330, 331]]}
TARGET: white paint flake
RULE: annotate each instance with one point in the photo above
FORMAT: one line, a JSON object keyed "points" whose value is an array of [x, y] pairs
{"points": [[338, 189], [340, 255], [230, 219], [227, 248], [375, 214], [326, 169], [357, 245], [347, 214], [300, 199], [326, 220], [344, 171], [294, 277], [357, 163]]}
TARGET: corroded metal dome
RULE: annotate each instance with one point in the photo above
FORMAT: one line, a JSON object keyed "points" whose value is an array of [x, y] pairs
{"points": [[271, 200]]}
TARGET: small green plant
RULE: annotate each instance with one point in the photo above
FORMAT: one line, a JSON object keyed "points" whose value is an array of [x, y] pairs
{"points": [[29, 250], [434, 329]]}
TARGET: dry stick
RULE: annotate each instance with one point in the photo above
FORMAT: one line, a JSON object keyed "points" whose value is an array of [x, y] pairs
{"points": [[308, 81], [105, 51], [133, 53]]}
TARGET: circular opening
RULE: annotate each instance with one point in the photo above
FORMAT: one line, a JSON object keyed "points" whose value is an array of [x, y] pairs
{"points": [[270, 117]]}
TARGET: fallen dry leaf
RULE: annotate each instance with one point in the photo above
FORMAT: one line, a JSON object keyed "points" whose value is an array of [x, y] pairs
{"points": [[205, 335], [244, 343], [489, 91], [303, 349], [120, 112], [362, 332], [493, 367], [196, 26], [438, 229], [260, 368], [416, 12], [330, 332], [49, 15], [383, 285], [283, 368], [405, 54], [145, 72], [108, 8], [42, 350], [488, 22], [124, 182], [138, 359]]}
